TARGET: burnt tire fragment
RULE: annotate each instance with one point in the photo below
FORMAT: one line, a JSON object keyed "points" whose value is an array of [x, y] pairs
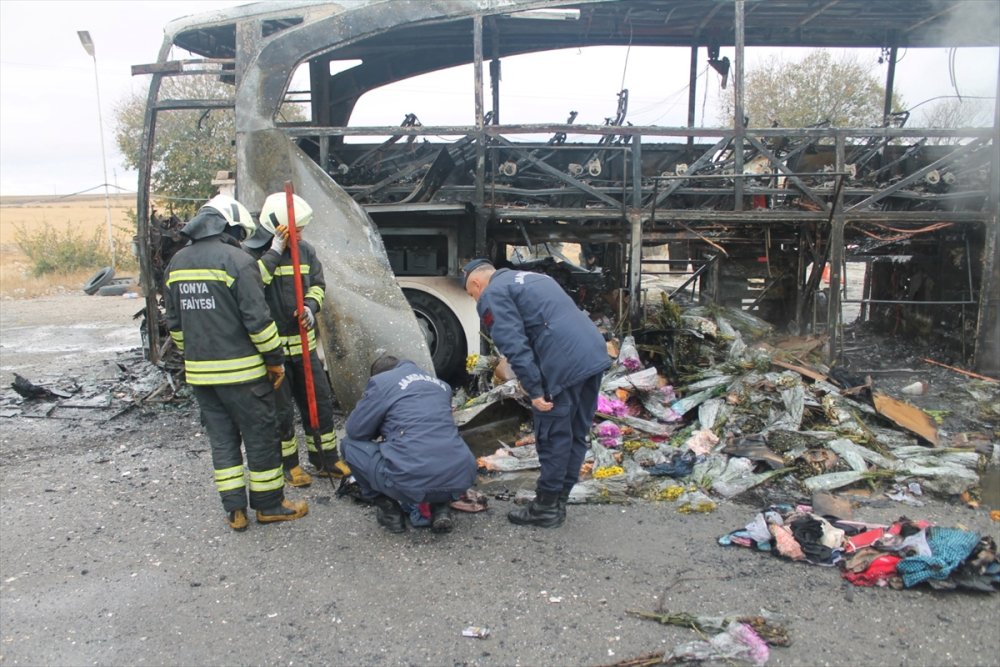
{"points": [[99, 280]]}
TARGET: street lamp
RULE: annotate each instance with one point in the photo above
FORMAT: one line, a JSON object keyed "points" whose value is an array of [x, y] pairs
{"points": [[88, 46]]}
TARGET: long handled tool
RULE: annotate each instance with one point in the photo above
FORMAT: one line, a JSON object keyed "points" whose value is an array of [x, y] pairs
{"points": [[293, 242]]}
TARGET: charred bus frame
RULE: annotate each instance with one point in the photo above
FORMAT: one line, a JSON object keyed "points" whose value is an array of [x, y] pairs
{"points": [[809, 197]]}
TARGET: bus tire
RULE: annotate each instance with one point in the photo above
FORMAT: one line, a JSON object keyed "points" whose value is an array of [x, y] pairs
{"points": [[99, 280], [443, 331]]}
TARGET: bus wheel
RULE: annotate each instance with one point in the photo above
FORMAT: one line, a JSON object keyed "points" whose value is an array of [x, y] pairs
{"points": [[443, 332]]}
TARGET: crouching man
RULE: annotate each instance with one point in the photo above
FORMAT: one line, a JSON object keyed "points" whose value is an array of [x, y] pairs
{"points": [[421, 457]]}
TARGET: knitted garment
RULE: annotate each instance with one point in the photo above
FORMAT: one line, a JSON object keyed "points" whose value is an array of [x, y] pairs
{"points": [[949, 547]]}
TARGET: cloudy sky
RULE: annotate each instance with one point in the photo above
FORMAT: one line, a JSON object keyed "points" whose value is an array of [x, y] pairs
{"points": [[49, 141]]}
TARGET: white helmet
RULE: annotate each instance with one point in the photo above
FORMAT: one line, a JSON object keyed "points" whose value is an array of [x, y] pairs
{"points": [[235, 213], [275, 212]]}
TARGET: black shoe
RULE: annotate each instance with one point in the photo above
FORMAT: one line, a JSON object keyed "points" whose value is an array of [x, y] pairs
{"points": [[390, 514], [441, 521], [543, 512]]}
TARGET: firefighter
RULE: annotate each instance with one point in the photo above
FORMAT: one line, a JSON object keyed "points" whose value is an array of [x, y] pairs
{"points": [[276, 270], [233, 359]]}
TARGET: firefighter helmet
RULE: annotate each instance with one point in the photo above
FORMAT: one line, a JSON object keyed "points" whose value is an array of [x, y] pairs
{"points": [[235, 213], [275, 212]]}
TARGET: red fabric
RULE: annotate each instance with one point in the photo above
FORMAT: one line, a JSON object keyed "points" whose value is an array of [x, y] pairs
{"points": [[865, 539], [880, 570]]}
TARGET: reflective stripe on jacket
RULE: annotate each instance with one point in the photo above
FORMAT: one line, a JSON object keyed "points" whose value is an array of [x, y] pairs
{"points": [[278, 276], [217, 315]]}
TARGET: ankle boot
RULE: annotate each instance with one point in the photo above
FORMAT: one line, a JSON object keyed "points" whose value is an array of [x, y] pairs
{"points": [[238, 520], [286, 511], [543, 512], [389, 514], [441, 521], [563, 501]]}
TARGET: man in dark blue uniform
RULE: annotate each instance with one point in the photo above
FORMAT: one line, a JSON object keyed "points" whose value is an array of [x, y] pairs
{"points": [[559, 357], [421, 457]]}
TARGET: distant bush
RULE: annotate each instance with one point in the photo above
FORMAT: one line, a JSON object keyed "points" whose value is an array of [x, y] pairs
{"points": [[54, 251]]}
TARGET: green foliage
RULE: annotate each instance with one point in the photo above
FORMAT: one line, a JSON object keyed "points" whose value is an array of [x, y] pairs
{"points": [[819, 89], [54, 251], [190, 147]]}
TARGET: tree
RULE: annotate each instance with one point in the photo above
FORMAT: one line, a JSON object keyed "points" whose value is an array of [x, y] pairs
{"points": [[956, 112], [819, 89], [190, 147]]}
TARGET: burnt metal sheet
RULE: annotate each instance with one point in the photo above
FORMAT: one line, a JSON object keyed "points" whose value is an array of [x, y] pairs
{"points": [[364, 309]]}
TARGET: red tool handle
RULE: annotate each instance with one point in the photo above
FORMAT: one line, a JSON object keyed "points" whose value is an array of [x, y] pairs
{"points": [[293, 242]]}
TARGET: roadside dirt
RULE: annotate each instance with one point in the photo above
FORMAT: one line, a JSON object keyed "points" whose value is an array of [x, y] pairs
{"points": [[114, 550]]}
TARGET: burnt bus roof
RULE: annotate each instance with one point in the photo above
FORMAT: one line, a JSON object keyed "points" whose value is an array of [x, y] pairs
{"points": [[426, 24]]}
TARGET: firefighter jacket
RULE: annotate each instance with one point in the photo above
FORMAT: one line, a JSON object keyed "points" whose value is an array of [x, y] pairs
{"points": [[279, 281], [217, 315], [411, 410], [550, 343]]}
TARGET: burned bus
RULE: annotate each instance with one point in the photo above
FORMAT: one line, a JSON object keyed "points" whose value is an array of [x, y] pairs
{"points": [[753, 215]]}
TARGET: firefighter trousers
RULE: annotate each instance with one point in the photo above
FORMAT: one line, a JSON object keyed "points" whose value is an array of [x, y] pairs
{"points": [[243, 413], [293, 390]]}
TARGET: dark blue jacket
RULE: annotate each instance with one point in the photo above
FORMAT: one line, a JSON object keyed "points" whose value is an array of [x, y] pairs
{"points": [[411, 410], [550, 343]]}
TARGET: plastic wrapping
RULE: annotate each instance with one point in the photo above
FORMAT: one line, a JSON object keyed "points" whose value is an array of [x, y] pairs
{"points": [[628, 355], [737, 642]]}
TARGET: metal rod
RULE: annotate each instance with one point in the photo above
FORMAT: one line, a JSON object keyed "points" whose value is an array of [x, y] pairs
{"points": [[692, 90], [480, 196], [890, 77], [739, 126], [88, 46], [910, 302]]}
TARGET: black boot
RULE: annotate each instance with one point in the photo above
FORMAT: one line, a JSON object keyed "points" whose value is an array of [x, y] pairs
{"points": [[563, 501], [543, 512], [441, 521], [390, 514]]}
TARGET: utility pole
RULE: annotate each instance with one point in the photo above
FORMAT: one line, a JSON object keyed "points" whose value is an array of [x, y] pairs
{"points": [[88, 46]]}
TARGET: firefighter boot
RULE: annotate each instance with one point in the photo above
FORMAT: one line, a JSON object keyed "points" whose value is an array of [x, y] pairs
{"points": [[441, 521], [389, 514], [543, 512], [238, 520], [296, 476], [286, 511], [329, 465]]}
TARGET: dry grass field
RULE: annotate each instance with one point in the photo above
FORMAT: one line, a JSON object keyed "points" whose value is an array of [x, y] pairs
{"points": [[83, 214]]}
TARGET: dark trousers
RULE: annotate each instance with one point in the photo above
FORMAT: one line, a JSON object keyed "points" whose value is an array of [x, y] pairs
{"points": [[562, 435], [369, 469], [295, 381], [243, 413]]}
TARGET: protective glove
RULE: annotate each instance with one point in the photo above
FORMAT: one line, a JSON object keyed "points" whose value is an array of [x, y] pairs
{"points": [[276, 374], [307, 318], [280, 239]]}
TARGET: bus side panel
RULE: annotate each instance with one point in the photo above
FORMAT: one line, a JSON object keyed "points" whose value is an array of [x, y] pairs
{"points": [[365, 309]]}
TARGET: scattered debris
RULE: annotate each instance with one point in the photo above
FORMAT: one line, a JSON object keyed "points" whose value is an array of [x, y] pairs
{"points": [[32, 391], [476, 632], [734, 407], [902, 555]]}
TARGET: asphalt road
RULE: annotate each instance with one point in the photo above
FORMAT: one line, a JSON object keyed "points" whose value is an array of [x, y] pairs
{"points": [[114, 550]]}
